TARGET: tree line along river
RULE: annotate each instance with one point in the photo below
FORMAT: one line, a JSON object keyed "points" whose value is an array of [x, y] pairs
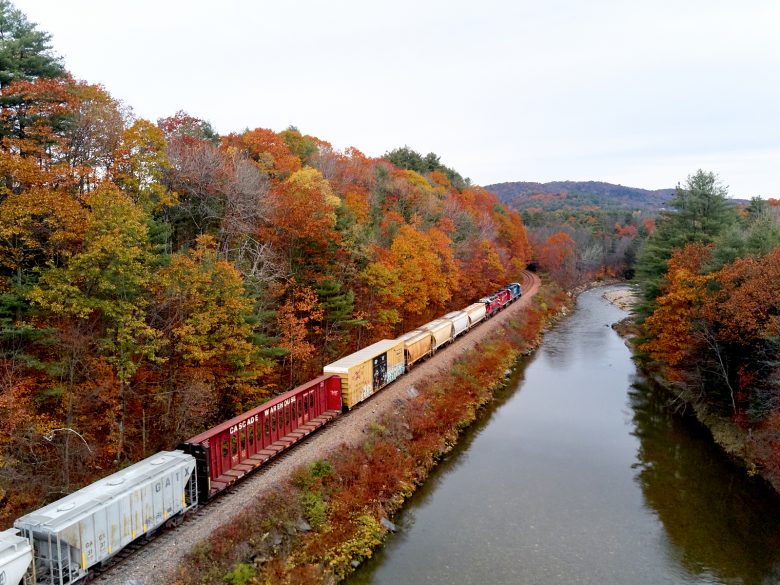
{"points": [[581, 472]]}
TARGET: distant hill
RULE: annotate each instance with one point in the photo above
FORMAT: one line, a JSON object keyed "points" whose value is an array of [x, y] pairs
{"points": [[578, 195]]}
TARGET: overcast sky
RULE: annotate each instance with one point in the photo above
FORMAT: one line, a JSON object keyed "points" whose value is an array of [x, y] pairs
{"points": [[637, 93]]}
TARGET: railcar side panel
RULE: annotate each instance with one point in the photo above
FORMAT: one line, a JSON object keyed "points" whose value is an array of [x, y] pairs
{"points": [[476, 313], [441, 329], [418, 344], [79, 531], [15, 556], [460, 322], [236, 447], [366, 371]]}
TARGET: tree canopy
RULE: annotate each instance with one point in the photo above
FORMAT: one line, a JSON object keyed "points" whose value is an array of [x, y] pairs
{"points": [[25, 51]]}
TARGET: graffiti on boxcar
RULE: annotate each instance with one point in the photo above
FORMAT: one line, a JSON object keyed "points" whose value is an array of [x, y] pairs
{"points": [[394, 372]]}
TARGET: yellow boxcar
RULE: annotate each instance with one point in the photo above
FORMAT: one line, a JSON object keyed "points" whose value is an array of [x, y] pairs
{"points": [[366, 371], [417, 345]]}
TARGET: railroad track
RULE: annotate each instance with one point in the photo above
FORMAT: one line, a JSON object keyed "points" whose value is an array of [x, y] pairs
{"points": [[142, 563]]}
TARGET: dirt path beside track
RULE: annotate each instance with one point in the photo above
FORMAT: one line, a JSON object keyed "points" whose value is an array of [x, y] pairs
{"points": [[155, 563]]}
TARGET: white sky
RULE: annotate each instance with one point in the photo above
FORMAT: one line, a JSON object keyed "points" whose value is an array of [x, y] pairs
{"points": [[637, 93]]}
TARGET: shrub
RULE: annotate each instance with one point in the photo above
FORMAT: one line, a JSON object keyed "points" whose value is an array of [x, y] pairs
{"points": [[240, 575], [315, 510]]}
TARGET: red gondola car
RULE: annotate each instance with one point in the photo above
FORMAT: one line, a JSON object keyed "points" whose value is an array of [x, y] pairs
{"points": [[229, 451]]}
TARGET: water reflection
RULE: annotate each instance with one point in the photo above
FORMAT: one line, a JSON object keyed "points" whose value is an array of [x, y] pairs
{"points": [[719, 523]]}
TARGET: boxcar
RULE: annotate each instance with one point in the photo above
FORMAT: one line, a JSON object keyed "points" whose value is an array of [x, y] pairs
{"points": [[366, 371], [441, 329], [89, 526], [232, 449], [15, 557], [460, 322], [476, 313], [418, 344]]}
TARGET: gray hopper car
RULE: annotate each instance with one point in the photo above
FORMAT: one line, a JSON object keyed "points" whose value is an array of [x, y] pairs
{"points": [[82, 530]]}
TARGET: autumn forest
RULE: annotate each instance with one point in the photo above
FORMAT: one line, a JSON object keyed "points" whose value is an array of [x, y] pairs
{"points": [[157, 277]]}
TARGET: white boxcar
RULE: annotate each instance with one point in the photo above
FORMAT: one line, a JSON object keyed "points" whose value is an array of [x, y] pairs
{"points": [[460, 322], [15, 557], [87, 527]]}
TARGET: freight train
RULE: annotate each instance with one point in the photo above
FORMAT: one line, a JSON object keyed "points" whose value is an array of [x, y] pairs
{"points": [[63, 542]]}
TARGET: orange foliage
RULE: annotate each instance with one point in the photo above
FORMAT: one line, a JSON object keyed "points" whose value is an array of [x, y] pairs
{"points": [[628, 231], [558, 257], [670, 325], [303, 220], [267, 149], [746, 305], [297, 319]]}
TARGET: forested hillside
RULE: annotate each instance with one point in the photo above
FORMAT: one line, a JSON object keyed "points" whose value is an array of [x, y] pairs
{"points": [[711, 278], [584, 230], [156, 277], [576, 195]]}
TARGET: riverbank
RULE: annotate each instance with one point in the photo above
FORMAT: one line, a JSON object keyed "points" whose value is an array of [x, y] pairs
{"points": [[335, 511], [750, 447]]}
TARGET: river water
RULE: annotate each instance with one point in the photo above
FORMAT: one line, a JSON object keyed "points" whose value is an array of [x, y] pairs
{"points": [[580, 473]]}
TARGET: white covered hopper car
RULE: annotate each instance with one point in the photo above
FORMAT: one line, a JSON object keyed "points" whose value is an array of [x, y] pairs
{"points": [[15, 557], [82, 530]]}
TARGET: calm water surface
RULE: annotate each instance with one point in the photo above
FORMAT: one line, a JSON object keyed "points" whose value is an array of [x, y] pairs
{"points": [[580, 473]]}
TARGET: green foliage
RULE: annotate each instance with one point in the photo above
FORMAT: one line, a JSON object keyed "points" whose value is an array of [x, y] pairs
{"points": [[108, 279], [320, 468], [240, 575], [301, 146], [25, 52], [338, 317], [700, 215], [406, 158], [315, 510]]}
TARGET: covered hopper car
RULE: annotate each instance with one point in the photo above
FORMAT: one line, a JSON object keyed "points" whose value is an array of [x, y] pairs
{"points": [[86, 528], [418, 345], [476, 313], [15, 557], [460, 322], [441, 330]]}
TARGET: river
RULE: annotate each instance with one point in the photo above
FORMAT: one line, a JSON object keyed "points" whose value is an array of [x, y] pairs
{"points": [[581, 473]]}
